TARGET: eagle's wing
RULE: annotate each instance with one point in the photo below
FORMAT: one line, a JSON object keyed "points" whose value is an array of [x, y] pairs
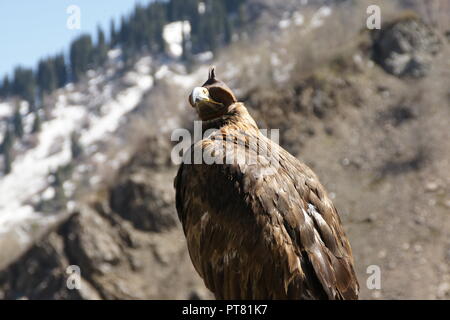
{"points": [[263, 225]]}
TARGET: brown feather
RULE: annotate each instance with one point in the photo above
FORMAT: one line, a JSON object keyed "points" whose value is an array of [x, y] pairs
{"points": [[253, 235]]}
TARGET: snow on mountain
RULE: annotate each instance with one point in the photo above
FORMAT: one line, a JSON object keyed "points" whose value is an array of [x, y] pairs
{"points": [[114, 110], [173, 36], [201, 8], [296, 18], [319, 16], [28, 183], [95, 109], [5, 110]]}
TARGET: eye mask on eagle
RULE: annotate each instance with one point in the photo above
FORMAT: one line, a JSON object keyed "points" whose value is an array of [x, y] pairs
{"points": [[212, 99]]}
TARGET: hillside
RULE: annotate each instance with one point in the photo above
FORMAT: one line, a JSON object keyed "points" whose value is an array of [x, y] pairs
{"points": [[372, 126]]}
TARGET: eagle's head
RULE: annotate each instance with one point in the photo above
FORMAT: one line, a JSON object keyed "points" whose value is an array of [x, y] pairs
{"points": [[212, 99]]}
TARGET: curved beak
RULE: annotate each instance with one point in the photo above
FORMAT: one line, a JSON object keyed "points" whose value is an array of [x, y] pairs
{"points": [[201, 94]]}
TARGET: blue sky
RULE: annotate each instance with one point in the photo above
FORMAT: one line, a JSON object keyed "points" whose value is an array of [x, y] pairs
{"points": [[30, 30]]}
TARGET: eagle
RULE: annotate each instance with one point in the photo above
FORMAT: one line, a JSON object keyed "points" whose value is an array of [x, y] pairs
{"points": [[257, 221]]}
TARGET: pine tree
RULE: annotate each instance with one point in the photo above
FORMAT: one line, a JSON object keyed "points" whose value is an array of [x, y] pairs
{"points": [[139, 28], [7, 161], [158, 18], [228, 30], [60, 70], [112, 34], [46, 76], [17, 123], [5, 87], [81, 56], [242, 17], [6, 150], [8, 140], [101, 51], [186, 46], [75, 146], [24, 84], [58, 185], [36, 123], [123, 31]]}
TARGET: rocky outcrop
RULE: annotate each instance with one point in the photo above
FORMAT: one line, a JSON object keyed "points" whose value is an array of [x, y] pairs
{"points": [[40, 274], [406, 47], [126, 241], [152, 206]]}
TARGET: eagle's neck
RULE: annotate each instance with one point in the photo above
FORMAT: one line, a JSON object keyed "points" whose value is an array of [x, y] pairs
{"points": [[237, 118]]}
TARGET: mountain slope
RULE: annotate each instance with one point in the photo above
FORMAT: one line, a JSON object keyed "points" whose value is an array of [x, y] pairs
{"points": [[378, 142]]}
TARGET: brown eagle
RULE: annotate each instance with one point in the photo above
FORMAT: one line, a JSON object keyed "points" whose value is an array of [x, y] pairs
{"points": [[258, 223]]}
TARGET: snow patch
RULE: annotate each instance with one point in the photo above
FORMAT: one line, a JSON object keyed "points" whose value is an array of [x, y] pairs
{"points": [[114, 110], [173, 36], [114, 54], [6, 110], [296, 18], [162, 72], [48, 194], [204, 57], [318, 17], [29, 180], [30, 170], [201, 8]]}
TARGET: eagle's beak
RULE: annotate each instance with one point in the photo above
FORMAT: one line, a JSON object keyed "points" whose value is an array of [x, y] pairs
{"points": [[201, 94]]}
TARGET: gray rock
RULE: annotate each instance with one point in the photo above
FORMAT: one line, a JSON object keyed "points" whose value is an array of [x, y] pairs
{"points": [[406, 47], [39, 274], [146, 200], [134, 251]]}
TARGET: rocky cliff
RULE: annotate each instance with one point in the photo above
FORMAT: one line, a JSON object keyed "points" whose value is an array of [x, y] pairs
{"points": [[126, 240]]}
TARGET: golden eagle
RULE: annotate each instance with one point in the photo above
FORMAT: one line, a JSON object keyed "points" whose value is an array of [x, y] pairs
{"points": [[258, 223]]}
